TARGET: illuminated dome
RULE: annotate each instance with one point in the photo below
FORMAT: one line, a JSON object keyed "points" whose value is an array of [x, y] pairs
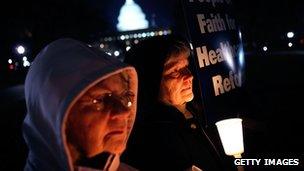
{"points": [[131, 17]]}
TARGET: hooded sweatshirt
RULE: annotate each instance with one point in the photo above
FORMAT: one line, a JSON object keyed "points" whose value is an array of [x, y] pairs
{"points": [[60, 74], [163, 138]]}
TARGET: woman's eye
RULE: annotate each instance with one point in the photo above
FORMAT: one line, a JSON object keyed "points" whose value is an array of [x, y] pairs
{"points": [[97, 100], [101, 99], [174, 74], [130, 94]]}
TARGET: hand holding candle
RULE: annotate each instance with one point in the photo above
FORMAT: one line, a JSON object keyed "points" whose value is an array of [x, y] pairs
{"points": [[231, 135]]}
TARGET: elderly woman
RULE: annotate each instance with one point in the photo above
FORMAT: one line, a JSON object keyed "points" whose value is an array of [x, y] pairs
{"points": [[81, 108], [168, 134]]}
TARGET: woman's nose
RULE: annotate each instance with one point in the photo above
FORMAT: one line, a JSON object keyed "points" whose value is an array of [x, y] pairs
{"points": [[187, 75], [118, 109], [120, 114]]}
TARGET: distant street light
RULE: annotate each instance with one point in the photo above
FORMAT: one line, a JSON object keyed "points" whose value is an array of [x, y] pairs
{"points": [[116, 53], [290, 34], [20, 49], [26, 63], [265, 48], [289, 44], [128, 48]]}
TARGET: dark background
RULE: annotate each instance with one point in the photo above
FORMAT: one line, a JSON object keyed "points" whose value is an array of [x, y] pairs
{"points": [[36, 23], [273, 79]]}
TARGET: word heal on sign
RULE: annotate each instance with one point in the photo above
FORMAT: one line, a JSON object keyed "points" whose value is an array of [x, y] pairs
{"points": [[207, 56]]}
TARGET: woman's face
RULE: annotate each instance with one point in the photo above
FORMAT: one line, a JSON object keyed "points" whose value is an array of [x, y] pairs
{"points": [[176, 83], [101, 119]]}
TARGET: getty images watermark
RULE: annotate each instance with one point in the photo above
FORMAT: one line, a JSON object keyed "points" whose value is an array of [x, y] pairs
{"points": [[267, 162]]}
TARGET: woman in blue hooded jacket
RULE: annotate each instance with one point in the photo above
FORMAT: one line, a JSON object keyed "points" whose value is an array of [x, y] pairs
{"points": [[81, 106]]}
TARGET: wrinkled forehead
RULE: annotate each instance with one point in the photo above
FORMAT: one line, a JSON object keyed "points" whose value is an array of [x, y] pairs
{"points": [[180, 60], [115, 84]]}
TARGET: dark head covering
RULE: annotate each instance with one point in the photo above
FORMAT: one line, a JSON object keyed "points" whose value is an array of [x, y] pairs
{"points": [[148, 58], [163, 138]]}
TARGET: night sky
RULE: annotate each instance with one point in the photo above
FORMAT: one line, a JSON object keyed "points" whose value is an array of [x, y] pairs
{"points": [[36, 23], [42, 21], [264, 19]]}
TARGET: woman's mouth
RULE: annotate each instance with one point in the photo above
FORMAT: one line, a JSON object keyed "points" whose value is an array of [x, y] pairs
{"points": [[116, 132], [188, 88], [115, 135]]}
